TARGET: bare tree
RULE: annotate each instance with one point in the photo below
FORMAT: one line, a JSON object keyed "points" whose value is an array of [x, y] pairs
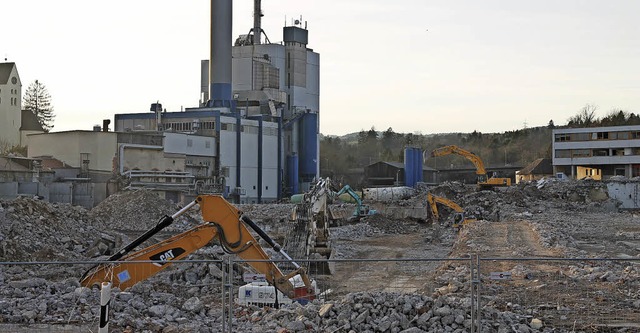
{"points": [[586, 117], [38, 101]]}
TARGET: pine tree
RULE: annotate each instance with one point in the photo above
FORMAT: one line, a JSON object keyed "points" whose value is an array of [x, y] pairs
{"points": [[37, 100]]}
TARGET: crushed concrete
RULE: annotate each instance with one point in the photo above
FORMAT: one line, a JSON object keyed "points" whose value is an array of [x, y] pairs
{"points": [[569, 219]]}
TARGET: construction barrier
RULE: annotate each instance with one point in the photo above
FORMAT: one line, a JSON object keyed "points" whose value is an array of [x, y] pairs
{"points": [[563, 294]]}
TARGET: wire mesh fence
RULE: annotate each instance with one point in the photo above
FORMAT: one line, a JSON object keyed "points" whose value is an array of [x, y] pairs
{"points": [[568, 295], [588, 295]]}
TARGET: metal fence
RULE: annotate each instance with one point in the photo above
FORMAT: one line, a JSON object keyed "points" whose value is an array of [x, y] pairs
{"points": [[568, 295]]}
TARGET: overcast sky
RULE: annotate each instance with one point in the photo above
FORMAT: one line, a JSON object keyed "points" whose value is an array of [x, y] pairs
{"points": [[415, 66]]}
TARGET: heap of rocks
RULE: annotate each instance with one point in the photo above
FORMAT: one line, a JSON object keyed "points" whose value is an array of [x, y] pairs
{"points": [[139, 210], [34, 230], [381, 312], [185, 296]]}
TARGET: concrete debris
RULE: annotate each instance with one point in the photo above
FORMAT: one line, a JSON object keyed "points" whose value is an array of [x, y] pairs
{"points": [[546, 218]]}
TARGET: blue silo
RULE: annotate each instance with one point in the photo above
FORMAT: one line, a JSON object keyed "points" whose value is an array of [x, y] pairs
{"points": [[292, 174], [308, 149], [418, 163], [409, 173]]}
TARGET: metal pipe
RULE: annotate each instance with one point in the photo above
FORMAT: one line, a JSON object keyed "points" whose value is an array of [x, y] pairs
{"points": [[257, 18], [220, 52], [269, 240], [167, 220]]}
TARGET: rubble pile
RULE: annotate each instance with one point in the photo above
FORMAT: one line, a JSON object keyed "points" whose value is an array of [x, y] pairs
{"points": [[576, 218], [34, 230], [381, 312], [138, 210]]}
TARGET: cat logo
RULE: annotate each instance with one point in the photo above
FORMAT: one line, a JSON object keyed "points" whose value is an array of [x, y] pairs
{"points": [[163, 257]]}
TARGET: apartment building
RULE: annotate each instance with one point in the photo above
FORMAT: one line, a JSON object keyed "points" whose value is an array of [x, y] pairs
{"points": [[597, 152]]}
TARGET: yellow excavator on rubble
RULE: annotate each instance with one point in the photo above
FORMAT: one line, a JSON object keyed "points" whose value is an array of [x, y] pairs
{"points": [[484, 181], [222, 221], [459, 218]]}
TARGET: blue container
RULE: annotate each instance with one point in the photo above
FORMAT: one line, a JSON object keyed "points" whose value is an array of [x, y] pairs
{"points": [[292, 174], [308, 149], [409, 166], [418, 162]]}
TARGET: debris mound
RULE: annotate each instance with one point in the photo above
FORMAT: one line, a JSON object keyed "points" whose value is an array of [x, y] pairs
{"points": [[138, 210], [34, 230]]}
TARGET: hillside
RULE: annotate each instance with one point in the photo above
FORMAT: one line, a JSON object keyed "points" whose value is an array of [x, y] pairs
{"points": [[343, 156]]}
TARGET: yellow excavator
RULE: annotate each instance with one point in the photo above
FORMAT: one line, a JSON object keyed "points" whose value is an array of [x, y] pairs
{"points": [[222, 221], [459, 218], [484, 182]]}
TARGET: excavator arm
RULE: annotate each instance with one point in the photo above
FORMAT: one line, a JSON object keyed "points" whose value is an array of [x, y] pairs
{"points": [[224, 222], [459, 218], [477, 162], [361, 209]]}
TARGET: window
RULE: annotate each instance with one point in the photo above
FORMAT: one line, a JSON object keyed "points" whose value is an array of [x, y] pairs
{"points": [[563, 137], [601, 152], [580, 153], [623, 135], [602, 136], [580, 137], [635, 135], [208, 125], [617, 152], [563, 153]]}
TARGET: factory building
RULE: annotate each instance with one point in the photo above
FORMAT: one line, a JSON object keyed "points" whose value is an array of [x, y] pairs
{"points": [[241, 155], [260, 102], [281, 80]]}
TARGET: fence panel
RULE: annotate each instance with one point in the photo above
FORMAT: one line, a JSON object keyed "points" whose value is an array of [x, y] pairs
{"points": [[568, 294], [46, 297]]}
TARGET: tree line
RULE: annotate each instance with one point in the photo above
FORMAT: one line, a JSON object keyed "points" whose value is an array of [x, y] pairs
{"points": [[344, 157]]}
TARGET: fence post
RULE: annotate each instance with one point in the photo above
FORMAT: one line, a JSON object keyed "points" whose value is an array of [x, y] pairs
{"points": [[471, 289], [223, 294], [229, 286], [475, 293], [105, 299], [478, 303]]}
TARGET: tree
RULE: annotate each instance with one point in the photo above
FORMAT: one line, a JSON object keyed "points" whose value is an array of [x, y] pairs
{"points": [[586, 117], [37, 100]]}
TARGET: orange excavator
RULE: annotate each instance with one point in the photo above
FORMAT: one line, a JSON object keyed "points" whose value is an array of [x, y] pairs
{"points": [[459, 219], [222, 221], [484, 182]]}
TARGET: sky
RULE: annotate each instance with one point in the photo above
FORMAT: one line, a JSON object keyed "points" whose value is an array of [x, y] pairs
{"points": [[418, 66]]}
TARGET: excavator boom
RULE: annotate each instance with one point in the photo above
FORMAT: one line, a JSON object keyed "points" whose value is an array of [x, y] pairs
{"points": [[224, 222], [483, 180], [458, 219], [447, 150]]}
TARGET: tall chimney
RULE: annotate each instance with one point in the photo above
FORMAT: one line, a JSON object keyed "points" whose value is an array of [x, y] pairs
{"points": [[257, 18], [220, 57]]}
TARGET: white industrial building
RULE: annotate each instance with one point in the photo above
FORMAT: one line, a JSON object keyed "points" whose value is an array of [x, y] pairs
{"points": [[597, 152], [260, 103], [254, 136]]}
